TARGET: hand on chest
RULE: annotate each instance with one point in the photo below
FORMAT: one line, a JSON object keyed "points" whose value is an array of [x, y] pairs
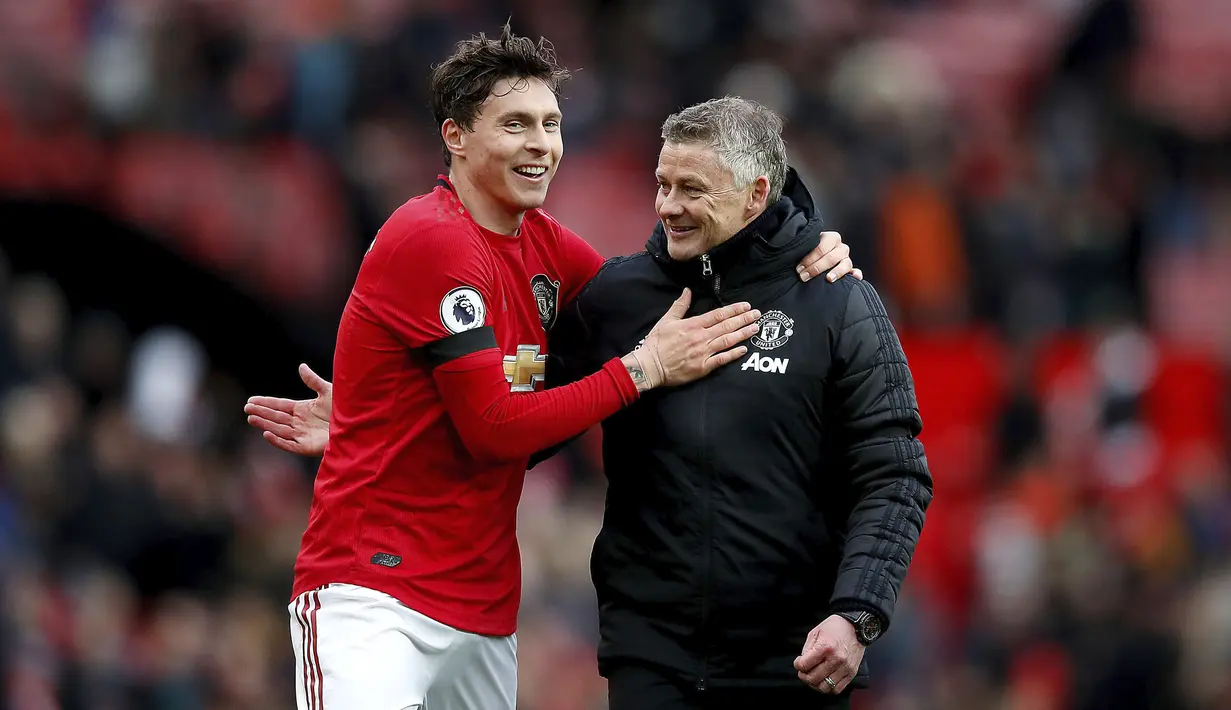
{"points": [[774, 394], [783, 348]]}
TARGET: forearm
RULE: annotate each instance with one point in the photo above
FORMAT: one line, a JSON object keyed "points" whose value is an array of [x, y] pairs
{"points": [[496, 424], [891, 490], [875, 423]]}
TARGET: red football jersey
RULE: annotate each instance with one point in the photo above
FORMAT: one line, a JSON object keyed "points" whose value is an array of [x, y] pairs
{"points": [[440, 351]]}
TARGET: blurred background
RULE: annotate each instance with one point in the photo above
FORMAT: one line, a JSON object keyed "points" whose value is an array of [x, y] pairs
{"points": [[1039, 188]]}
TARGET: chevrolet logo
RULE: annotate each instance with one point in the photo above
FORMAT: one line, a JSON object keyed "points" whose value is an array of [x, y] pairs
{"points": [[525, 369]]}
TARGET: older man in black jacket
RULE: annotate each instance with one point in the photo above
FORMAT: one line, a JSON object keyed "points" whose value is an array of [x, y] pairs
{"points": [[759, 522]]}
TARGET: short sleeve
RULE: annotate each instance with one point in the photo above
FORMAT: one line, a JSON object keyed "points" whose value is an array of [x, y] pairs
{"points": [[428, 284]]}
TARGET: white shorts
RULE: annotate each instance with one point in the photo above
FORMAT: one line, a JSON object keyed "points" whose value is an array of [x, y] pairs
{"points": [[359, 649]]}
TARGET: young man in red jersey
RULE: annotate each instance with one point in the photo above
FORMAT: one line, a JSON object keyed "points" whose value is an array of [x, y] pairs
{"points": [[408, 579]]}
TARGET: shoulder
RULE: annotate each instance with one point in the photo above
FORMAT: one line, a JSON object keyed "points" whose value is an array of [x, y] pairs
{"points": [[620, 272], [826, 302], [619, 287], [632, 266], [860, 301], [424, 228]]}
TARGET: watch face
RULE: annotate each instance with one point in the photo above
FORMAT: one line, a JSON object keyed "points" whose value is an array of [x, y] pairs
{"points": [[871, 627]]}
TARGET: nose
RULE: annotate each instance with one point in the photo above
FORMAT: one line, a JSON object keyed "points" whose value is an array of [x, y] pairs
{"points": [[536, 139], [668, 205]]}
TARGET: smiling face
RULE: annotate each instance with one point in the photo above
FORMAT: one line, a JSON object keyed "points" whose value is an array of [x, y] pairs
{"points": [[698, 201], [513, 148]]}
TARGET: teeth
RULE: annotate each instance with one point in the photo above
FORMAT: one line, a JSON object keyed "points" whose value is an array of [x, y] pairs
{"points": [[534, 171]]}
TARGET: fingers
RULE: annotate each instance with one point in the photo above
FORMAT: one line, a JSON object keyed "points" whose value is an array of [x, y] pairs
{"points": [[286, 445], [718, 315], [277, 415], [714, 362], [811, 640], [825, 659], [857, 273], [830, 667], [832, 257], [730, 340], [843, 268], [268, 426], [269, 404], [812, 656], [835, 670], [829, 240], [317, 383], [733, 323], [841, 683], [822, 686], [803, 662], [835, 265], [679, 309]]}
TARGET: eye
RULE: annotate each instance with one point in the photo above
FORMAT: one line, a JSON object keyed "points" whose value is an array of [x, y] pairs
{"points": [[693, 191], [552, 125], [514, 125]]}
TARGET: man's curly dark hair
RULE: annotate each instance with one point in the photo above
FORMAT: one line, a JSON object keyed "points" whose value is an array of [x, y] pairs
{"points": [[461, 83]]}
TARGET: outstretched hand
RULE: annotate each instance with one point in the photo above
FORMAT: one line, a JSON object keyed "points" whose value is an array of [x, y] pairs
{"points": [[300, 426]]}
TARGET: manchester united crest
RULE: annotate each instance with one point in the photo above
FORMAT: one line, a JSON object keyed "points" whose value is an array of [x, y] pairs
{"points": [[546, 298], [776, 329]]}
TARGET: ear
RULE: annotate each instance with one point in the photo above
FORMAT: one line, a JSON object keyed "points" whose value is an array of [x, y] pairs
{"points": [[451, 134], [758, 197]]}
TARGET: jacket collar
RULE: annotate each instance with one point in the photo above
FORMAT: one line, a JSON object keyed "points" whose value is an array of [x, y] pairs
{"points": [[771, 244]]}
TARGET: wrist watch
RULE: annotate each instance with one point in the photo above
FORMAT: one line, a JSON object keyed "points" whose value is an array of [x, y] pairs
{"points": [[867, 625]]}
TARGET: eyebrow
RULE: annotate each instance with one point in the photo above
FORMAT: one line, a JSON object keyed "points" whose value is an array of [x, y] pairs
{"points": [[526, 116], [686, 178]]}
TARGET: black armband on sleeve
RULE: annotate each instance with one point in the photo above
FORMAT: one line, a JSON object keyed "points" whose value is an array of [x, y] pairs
{"points": [[454, 346]]}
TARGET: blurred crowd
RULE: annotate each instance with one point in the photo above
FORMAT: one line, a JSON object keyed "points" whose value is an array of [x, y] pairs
{"points": [[1040, 189]]}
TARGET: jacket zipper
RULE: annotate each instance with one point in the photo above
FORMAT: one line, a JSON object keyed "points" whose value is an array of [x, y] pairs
{"points": [[707, 272], [707, 544]]}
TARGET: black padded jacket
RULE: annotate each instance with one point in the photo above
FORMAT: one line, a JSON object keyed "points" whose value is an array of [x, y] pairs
{"points": [[744, 508]]}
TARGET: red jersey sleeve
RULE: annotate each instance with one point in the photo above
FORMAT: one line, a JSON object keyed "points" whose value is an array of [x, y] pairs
{"points": [[496, 424], [433, 293], [428, 285]]}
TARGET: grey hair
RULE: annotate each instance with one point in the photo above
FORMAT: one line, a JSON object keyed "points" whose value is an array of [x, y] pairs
{"points": [[746, 137]]}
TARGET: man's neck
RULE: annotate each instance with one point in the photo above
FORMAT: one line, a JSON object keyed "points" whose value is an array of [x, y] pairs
{"points": [[484, 210]]}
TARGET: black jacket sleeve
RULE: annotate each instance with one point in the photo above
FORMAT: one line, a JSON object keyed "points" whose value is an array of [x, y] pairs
{"points": [[876, 421], [569, 358]]}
